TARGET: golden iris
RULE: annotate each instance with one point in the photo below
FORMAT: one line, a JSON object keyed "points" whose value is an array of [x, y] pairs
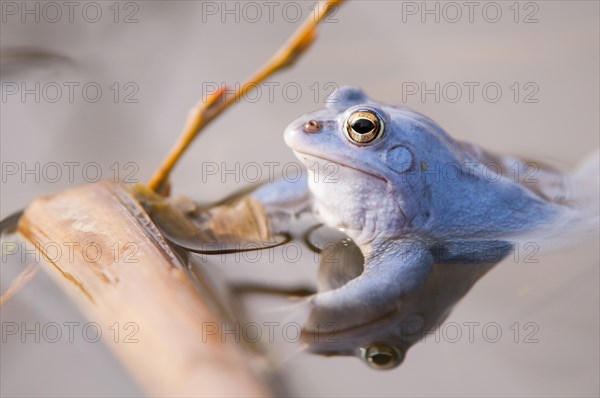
{"points": [[364, 126]]}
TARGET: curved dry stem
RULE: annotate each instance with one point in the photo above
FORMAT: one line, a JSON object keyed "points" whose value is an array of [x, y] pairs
{"points": [[203, 113]]}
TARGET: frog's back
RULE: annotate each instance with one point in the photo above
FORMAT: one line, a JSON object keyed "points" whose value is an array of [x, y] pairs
{"points": [[573, 196]]}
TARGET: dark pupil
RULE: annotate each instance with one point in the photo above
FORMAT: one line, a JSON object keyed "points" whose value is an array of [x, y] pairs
{"points": [[381, 359], [363, 126]]}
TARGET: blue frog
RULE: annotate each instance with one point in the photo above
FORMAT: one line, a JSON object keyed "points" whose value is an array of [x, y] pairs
{"points": [[415, 203]]}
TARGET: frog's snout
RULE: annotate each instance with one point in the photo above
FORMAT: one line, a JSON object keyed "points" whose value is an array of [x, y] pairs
{"points": [[312, 127]]}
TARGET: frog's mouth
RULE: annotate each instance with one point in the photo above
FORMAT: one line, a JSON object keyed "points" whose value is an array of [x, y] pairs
{"points": [[344, 341], [359, 328], [304, 156]]}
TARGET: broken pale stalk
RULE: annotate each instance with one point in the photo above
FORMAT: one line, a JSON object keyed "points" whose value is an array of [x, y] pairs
{"points": [[205, 112], [137, 281]]}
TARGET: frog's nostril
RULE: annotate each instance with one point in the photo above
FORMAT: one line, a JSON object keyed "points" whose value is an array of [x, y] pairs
{"points": [[312, 126]]}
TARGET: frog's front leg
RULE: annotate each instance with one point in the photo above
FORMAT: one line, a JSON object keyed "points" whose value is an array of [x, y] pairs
{"points": [[283, 200], [391, 270]]}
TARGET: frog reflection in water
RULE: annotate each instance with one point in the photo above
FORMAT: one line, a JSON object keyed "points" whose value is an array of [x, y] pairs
{"points": [[422, 209]]}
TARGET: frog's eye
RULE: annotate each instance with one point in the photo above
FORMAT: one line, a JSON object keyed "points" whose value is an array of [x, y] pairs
{"points": [[364, 126], [381, 356]]}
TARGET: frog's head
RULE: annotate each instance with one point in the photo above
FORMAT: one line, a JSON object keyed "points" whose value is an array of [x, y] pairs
{"points": [[366, 163]]}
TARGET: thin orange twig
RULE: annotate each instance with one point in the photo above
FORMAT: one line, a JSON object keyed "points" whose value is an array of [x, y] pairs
{"points": [[206, 111], [19, 282]]}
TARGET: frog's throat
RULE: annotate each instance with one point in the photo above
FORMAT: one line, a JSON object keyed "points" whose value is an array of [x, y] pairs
{"points": [[343, 164]]}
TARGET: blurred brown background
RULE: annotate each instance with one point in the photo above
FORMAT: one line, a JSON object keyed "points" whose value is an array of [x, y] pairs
{"points": [[153, 60]]}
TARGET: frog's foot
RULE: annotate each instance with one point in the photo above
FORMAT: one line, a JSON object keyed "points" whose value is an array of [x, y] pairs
{"points": [[283, 201], [388, 275]]}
